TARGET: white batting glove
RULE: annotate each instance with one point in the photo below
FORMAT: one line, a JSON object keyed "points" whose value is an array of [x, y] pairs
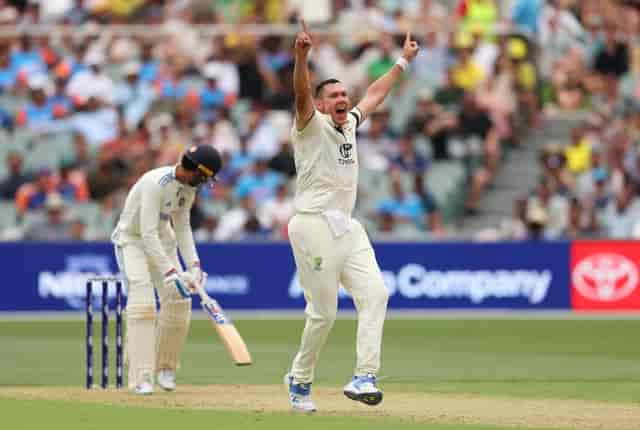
{"points": [[179, 281], [196, 271]]}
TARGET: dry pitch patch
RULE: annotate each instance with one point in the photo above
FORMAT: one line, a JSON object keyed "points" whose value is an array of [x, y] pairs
{"points": [[419, 407]]}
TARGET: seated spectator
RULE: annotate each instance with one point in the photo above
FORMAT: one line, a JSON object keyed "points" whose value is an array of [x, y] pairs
{"points": [[261, 184], [276, 212], [554, 163], [466, 73], [133, 95], [207, 230], [8, 74], [97, 122], [27, 60], [77, 14], [15, 177], [72, 185], [375, 144], [555, 206], [60, 103], [92, 82], [232, 223], [150, 65], [283, 161], [213, 97], [432, 61], [578, 153], [54, 227], [434, 122], [405, 207], [578, 220], [37, 113], [262, 135], [620, 219], [32, 195], [386, 58], [433, 217], [241, 160], [408, 159]]}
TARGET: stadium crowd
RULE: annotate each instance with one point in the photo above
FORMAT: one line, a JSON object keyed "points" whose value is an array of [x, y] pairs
{"points": [[86, 107], [588, 185]]}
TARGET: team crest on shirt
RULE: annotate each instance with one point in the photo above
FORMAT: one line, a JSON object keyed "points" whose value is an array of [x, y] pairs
{"points": [[317, 264], [346, 153]]}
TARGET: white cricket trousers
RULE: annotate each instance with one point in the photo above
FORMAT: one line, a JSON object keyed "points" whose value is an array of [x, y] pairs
{"points": [[153, 342], [323, 263]]}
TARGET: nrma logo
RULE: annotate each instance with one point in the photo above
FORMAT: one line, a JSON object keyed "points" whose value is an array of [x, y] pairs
{"points": [[69, 284], [414, 282]]}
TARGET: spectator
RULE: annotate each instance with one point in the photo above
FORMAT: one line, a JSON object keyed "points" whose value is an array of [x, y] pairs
{"points": [[283, 161], [134, 96], [405, 207], [432, 215], [467, 74], [54, 227], [619, 220], [15, 178], [386, 58], [77, 14], [433, 122], [261, 184], [32, 195], [276, 212], [578, 153], [207, 230], [554, 206], [8, 73], [232, 223], [262, 135], [432, 61], [375, 145], [526, 14], [37, 113], [92, 82], [408, 159]]}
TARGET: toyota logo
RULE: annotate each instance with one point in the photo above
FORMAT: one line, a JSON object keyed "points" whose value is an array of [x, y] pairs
{"points": [[605, 277]]}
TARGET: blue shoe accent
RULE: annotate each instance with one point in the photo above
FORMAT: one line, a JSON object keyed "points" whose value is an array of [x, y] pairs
{"points": [[299, 389]]}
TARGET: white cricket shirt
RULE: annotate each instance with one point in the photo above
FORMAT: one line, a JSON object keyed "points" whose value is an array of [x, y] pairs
{"points": [[153, 204]]}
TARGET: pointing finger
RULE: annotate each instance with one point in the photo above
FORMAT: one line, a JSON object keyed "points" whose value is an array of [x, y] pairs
{"points": [[304, 26], [407, 39]]}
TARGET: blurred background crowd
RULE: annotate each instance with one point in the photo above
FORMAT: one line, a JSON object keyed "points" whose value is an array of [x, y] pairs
{"points": [[93, 93]]}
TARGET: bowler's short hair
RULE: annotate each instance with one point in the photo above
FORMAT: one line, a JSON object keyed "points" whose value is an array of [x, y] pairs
{"points": [[323, 84]]}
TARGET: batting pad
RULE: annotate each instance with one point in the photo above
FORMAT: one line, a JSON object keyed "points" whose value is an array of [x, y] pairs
{"points": [[172, 329], [140, 343]]}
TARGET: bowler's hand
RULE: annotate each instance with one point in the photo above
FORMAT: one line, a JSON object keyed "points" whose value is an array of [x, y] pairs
{"points": [[304, 40], [410, 48]]}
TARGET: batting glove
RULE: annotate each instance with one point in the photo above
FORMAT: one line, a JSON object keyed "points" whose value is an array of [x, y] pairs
{"points": [[196, 271], [178, 281]]}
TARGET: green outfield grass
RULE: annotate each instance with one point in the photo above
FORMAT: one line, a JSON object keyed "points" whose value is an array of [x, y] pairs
{"points": [[537, 359]]}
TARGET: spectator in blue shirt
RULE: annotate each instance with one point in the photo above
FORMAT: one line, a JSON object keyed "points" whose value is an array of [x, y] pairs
{"points": [[407, 158], [37, 111], [150, 65], [242, 159], [526, 13], [28, 59], [8, 75], [261, 184], [405, 207]]}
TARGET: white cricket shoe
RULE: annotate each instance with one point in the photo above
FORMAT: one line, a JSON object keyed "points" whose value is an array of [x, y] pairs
{"points": [[299, 395], [144, 388], [363, 389], [167, 379]]}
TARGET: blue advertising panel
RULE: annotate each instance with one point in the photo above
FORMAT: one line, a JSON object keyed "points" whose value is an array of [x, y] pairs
{"points": [[52, 277]]}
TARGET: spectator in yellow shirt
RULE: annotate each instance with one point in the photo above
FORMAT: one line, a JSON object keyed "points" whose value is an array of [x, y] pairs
{"points": [[466, 74], [578, 153]]}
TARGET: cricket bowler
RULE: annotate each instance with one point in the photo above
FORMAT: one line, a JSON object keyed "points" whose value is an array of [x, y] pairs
{"points": [[329, 246], [153, 226]]}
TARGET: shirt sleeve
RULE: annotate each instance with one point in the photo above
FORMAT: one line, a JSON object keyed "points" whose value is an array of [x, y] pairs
{"points": [[149, 227], [357, 115], [310, 127], [184, 235]]}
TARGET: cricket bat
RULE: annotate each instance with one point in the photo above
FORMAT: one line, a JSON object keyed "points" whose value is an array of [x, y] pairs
{"points": [[228, 333]]}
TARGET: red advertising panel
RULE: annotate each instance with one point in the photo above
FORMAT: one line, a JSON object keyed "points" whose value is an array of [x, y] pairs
{"points": [[605, 276]]}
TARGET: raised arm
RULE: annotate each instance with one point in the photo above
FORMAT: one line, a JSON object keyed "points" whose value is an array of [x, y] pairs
{"points": [[301, 84], [378, 91]]}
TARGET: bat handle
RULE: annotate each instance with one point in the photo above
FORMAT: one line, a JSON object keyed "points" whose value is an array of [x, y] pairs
{"points": [[204, 297]]}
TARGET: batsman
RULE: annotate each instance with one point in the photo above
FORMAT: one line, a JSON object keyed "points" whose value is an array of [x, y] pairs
{"points": [[153, 226], [329, 246]]}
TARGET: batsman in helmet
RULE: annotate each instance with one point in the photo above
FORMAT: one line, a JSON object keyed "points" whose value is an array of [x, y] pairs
{"points": [[153, 226]]}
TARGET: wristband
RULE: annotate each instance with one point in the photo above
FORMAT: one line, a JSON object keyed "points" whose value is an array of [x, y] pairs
{"points": [[403, 64]]}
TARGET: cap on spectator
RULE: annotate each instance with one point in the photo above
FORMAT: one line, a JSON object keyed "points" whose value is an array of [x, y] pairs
{"points": [[599, 174], [425, 94], [54, 202], [536, 215], [212, 70], [94, 58], [38, 82], [131, 68], [517, 48], [463, 40]]}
